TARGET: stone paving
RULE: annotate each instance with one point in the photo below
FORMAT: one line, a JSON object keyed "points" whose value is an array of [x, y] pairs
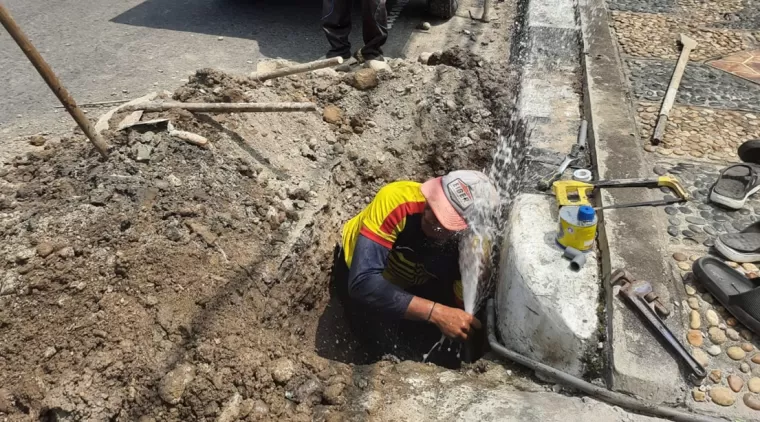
{"points": [[656, 36], [717, 108], [701, 85], [661, 6], [723, 346], [746, 16], [700, 133]]}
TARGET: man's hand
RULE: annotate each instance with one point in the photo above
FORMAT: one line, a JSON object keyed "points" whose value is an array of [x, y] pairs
{"points": [[454, 323]]}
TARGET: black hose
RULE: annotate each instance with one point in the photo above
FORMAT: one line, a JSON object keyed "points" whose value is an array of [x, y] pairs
{"points": [[601, 393]]}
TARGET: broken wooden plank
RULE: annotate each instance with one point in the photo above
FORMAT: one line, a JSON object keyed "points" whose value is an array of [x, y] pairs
{"points": [[130, 120], [299, 68], [103, 124]]}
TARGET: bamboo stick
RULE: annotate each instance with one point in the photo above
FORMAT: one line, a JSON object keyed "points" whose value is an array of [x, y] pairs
{"points": [[300, 68], [223, 107], [52, 80]]}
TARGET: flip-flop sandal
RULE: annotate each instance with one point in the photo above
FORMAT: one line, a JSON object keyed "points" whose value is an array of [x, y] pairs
{"points": [[739, 247], [735, 184], [737, 293], [749, 151]]}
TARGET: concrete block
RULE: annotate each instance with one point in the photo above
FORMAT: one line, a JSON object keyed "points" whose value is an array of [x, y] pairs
{"points": [[552, 13], [551, 103], [553, 48], [633, 238], [545, 310]]}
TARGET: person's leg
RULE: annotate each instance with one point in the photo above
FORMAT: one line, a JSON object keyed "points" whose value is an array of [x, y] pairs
{"points": [[374, 29], [336, 22]]}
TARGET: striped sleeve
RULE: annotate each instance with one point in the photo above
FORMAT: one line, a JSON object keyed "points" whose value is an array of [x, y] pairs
{"points": [[386, 215]]}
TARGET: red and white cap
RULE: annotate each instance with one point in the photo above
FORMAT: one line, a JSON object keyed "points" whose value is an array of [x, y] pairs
{"points": [[452, 197]]}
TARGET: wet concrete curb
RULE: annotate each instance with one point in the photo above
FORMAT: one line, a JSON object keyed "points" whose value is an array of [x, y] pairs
{"points": [[545, 310], [628, 238]]}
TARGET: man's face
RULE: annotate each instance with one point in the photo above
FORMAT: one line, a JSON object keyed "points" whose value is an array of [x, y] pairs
{"points": [[432, 228]]}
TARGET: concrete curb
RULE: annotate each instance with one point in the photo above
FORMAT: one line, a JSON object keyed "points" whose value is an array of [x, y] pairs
{"points": [[639, 364]]}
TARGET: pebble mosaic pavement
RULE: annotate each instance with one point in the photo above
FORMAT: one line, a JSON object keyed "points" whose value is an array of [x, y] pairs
{"points": [[715, 112]]}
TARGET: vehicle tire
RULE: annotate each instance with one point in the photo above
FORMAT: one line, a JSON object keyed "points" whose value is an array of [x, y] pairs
{"points": [[443, 9]]}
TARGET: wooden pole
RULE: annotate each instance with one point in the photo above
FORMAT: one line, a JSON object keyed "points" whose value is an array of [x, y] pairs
{"points": [[47, 74], [223, 107], [299, 68], [675, 81]]}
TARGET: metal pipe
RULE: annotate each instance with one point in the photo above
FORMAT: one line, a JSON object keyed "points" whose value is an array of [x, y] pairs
{"points": [[53, 82], [603, 394]]}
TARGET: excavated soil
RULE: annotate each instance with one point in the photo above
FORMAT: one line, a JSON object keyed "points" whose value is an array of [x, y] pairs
{"points": [[174, 282]]}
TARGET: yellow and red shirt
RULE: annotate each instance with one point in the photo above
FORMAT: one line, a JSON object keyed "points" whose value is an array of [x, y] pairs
{"points": [[393, 221]]}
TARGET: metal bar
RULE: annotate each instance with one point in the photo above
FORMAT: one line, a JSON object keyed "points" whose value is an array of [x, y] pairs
{"points": [[53, 82], [223, 107]]}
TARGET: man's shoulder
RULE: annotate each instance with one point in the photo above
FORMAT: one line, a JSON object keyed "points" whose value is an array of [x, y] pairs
{"points": [[401, 191]]}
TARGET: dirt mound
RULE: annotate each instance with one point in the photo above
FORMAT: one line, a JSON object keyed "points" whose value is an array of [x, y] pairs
{"points": [[173, 282]]}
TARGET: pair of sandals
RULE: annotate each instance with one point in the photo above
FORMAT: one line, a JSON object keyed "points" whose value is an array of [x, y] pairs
{"points": [[739, 294]]}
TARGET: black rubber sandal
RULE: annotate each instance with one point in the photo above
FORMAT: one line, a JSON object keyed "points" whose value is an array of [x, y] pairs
{"points": [[737, 293], [735, 184], [741, 247], [749, 151]]}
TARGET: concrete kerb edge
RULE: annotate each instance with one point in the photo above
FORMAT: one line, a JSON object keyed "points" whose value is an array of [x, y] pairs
{"points": [[623, 234]]}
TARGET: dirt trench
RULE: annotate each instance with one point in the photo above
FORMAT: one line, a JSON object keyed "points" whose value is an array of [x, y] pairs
{"points": [[193, 284]]}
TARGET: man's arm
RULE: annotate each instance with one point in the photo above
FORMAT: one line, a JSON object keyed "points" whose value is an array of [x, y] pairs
{"points": [[367, 285]]}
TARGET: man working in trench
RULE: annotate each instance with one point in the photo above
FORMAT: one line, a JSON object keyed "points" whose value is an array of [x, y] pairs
{"points": [[397, 272]]}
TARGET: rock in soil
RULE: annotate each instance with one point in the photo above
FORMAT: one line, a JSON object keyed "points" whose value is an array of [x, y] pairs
{"points": [[231, 410], [173, 384], [283, 370], [44, 249], [37, 140], [334, 394], [6, 402], [698, 395], [332, 114], [363, 79], [722, 396]]}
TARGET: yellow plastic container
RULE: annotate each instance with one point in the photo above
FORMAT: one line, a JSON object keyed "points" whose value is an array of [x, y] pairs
{"points": [[577, 227]]}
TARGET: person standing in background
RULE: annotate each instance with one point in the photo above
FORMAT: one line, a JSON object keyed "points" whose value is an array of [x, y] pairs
{"points": [[336, 22]]}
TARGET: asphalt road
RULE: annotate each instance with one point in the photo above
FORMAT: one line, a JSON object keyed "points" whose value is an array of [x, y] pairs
{"points": [[121, 49]]}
